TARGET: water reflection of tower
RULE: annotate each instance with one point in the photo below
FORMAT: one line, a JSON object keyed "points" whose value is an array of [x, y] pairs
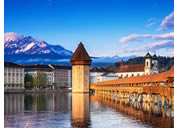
{"points": [[80, 87], [80, 110]]}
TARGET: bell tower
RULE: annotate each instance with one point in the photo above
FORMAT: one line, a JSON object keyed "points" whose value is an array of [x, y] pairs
{"points": [[155, 64], [80, 69], [148, 64]]}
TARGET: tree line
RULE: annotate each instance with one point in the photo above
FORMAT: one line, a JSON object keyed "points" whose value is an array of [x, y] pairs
{"points": [[40, 80], [164, 63]]}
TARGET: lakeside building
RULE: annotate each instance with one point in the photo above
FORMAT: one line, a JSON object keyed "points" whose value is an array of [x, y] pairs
{"points": [[13, 76], [106, 76], [98, 74], [150, 67], [62, 76], [47, 69]]}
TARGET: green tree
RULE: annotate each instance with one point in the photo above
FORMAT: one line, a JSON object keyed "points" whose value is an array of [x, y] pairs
{"points": [[28, 80], [40, 80], [35, 82]]}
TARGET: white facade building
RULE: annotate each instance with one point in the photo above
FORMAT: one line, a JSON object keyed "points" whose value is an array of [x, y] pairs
{"points": [[106, 76], [94, 72], [100, 74], [150, 67], [13, 76]]}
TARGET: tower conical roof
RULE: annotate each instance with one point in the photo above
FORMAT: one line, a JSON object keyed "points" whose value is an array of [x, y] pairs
{"points": [[80, 56], [148, 55], [154, 57]]}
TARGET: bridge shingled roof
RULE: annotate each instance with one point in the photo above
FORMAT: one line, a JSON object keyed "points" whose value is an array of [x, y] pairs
{"points": [[160, 77]]}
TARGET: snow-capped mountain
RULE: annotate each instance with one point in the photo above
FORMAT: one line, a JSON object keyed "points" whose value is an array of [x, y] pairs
{"points": [[18, 44], [28, 50]]}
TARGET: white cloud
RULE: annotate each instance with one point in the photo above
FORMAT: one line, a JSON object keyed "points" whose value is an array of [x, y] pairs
{"points": [[162, 44], [137, 37], [152, 47], [171, 53], [167, 23], [11, 36], [150, 24]]}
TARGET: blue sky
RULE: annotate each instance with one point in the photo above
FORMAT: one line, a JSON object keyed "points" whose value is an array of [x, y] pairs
{"points": [[106, 27]]}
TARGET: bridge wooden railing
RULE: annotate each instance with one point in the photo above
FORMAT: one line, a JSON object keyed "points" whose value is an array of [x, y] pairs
{"points": [[161, 90], [156, 84]]}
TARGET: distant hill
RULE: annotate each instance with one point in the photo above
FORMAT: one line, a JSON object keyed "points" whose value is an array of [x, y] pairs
{"points": [[164, 63]]}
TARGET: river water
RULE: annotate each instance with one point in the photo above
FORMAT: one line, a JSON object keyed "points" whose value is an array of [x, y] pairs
{"points": [[66, 110]]}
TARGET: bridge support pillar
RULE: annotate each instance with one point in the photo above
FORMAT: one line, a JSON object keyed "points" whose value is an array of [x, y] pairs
{"points": [[146, 98], [125, 98], [156, 99], [150, 98], [173, 101], [140, 98], [130, 96], [135, 96], [170, 101], [120, 95], [163, 100], [125, 95]]}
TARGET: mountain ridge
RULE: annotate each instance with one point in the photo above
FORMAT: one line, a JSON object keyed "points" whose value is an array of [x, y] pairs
{"points": [[22, 49]]}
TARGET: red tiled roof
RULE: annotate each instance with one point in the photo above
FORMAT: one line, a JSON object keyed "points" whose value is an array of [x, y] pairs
{"points": [[80, 56], [10, 64], [131, 68], [160, 77]]}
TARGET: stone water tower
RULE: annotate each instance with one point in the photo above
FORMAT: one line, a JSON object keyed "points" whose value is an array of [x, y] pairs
{"points": [[80, 70]]}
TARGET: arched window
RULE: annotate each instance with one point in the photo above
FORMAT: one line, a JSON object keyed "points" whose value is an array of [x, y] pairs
{"points": [[147, 63]]}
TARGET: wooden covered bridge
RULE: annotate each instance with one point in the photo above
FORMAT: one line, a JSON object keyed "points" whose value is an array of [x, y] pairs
{"points": [[145, 88]]}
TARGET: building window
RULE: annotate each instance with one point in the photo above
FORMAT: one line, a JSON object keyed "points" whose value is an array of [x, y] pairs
{"points": [[9, 69], [147, 63], [13, 80], [21, 70], [13, 69]]}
